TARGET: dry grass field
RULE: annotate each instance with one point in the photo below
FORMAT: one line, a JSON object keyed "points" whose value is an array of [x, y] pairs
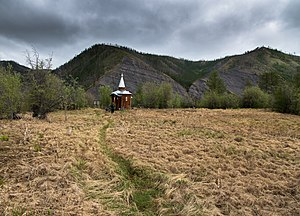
{"points": [[151, 162]]}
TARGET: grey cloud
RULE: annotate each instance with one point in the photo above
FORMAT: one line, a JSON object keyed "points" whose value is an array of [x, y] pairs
{"points": [[191, 29], [35, 25], [135, 20], [291, 14]]}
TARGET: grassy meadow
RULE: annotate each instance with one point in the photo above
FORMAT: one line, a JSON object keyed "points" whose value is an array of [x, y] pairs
{"points": [[151, 162]]}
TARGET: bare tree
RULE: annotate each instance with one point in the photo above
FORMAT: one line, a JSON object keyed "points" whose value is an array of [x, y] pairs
{"points": [[36, 63]]}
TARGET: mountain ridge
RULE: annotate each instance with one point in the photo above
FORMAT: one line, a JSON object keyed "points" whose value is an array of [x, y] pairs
{"points": [[16, 66], [102, 64], [188, 78]]}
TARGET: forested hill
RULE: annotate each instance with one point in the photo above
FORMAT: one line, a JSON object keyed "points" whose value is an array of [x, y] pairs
{"points": [[17, 67], [102, 65]]}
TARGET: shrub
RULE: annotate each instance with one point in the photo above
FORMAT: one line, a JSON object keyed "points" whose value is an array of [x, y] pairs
{"points": [[45, 92], [104, 93], [210, 100], [150, 94], [165, 95], [137, 100], [229, 101], [286, 100], [296, 104], [74, 96], [10, 93], [254, 97], [213, 100], [4, 138], [175, 102]]}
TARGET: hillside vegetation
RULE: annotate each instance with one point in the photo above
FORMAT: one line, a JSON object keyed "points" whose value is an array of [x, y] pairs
{"points": [[98, 60], [151, 162], [103, 64]]}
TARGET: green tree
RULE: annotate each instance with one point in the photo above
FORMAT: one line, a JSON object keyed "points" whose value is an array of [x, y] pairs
{"points": [[213, 100], [80, 99], [210, 100], [150, 95], [176, 101], [215, 83], [283, 99], [138, 97], [164, 94], [217, 97], [75, 96], [104, 94], [46, 93], [254, 97], [228, 100], [157, 96], [296, 103], [296, 78], [269, 81], [10, 93]]}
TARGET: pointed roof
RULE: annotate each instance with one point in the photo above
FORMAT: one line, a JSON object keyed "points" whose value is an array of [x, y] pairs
{"points": [[122, 89], [122, 83]]}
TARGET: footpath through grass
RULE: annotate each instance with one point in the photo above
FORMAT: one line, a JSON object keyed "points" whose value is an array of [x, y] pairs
{"points": [[149, 192], [141, 185]]}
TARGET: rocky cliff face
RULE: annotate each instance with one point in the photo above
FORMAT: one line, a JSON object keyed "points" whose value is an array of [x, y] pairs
{"points": [[198, 88], [136, 73], [235, 81]]}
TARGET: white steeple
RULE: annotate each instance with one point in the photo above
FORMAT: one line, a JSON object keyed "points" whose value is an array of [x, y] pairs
{"points": [[122, 83]]}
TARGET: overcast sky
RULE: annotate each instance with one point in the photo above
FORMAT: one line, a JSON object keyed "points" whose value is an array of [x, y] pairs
{"points": [[190, 29]]}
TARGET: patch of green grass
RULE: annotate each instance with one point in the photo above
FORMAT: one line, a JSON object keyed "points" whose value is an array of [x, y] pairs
{"points": [[50, 211], [185, 132], [77, 169], [144, 200], [1, 181], [213, 134], [81, 164], [37, 147], [40, 135], [4, 138], [143, 183], [20, 212], [280, 155]]}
